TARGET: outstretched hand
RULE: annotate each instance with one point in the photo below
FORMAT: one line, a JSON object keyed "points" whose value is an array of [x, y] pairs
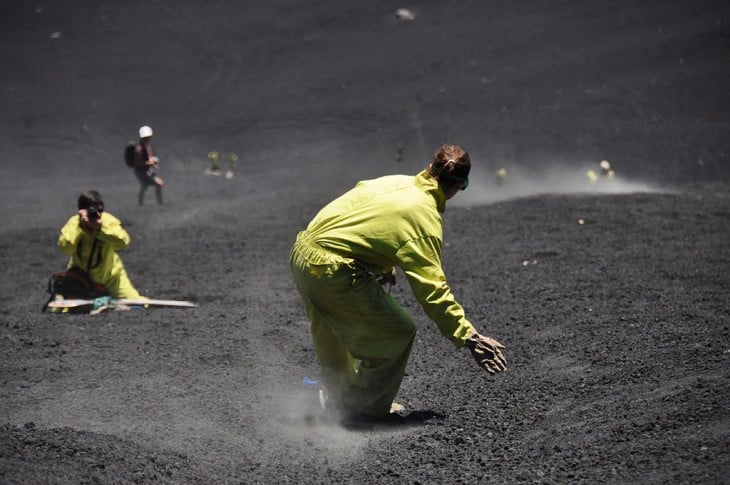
{"points": [[487, 352]]}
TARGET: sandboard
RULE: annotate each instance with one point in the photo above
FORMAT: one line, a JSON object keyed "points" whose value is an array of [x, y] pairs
{"points": [[73, 303]]}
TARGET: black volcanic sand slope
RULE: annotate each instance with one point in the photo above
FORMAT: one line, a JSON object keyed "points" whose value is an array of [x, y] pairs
{"points": [[616, 332], [613, 307], [643, 85]]}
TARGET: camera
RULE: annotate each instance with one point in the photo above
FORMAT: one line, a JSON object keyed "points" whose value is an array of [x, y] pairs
{"points": [[93, 212]]}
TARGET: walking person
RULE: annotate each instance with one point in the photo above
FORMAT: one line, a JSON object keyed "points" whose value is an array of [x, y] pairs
{"points": [[362, 336], [146, 165]]}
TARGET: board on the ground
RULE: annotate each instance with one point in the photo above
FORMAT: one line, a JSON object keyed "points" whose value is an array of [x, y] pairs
{"points": [[73, 303]]}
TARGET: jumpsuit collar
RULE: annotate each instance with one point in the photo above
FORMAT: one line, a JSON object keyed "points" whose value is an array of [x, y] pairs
{"points": [[430, 185]]}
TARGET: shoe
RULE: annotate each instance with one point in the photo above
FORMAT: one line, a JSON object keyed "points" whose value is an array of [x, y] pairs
{"points": [[395, 412], [396, 408]]}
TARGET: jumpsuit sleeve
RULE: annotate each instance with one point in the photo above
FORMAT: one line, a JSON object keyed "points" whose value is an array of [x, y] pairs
{"points": [[420, 260], [70, 235], [113, 233]]}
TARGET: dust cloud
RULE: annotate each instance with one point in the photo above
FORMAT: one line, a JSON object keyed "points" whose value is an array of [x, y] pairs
{"points": [[488, 187]]}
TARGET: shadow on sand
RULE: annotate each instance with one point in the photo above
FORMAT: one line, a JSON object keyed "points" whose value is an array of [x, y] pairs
{"points": [[393, 421]]}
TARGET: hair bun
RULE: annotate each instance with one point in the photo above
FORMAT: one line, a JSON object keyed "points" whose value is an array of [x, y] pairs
{"points": [[450, 160]]}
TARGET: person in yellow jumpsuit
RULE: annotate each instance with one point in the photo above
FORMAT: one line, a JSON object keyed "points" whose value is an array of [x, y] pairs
{"points": [[92, 238], [361, 335]]}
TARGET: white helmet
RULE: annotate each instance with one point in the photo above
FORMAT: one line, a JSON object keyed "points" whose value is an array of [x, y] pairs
{"points": [[605, 165], [145, 132]]}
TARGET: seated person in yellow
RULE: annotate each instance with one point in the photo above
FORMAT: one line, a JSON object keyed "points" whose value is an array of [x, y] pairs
{"points": [[92, 238], [362, 336]]}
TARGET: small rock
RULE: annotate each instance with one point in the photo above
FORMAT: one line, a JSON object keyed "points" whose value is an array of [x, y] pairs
{"points": [[404, 14]]}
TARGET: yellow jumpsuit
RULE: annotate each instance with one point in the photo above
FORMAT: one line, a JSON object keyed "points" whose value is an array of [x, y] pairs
{"points": [[96, 253], [362, 336]]}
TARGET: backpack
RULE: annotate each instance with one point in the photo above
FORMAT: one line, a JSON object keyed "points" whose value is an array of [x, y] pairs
{"points": [[74, 283], [129, 153]]}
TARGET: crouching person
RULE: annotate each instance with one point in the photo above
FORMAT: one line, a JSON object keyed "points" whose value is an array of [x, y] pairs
{"points": [[361, 334], [92, 238]]}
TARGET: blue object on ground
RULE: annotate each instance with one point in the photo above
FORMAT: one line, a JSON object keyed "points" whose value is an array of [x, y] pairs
{"points": [[311, 381], [102, 301]]}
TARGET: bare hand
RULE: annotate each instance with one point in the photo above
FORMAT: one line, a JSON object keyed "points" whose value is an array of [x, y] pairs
{"points": [[90, 223], [487, 352]]}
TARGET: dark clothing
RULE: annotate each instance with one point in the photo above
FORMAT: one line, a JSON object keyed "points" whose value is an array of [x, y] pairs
{"points": [[146, 176], [145, 173], [142, 153]]}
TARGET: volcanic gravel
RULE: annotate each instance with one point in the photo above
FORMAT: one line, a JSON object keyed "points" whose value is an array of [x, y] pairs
{"points": [[611, 299]]}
